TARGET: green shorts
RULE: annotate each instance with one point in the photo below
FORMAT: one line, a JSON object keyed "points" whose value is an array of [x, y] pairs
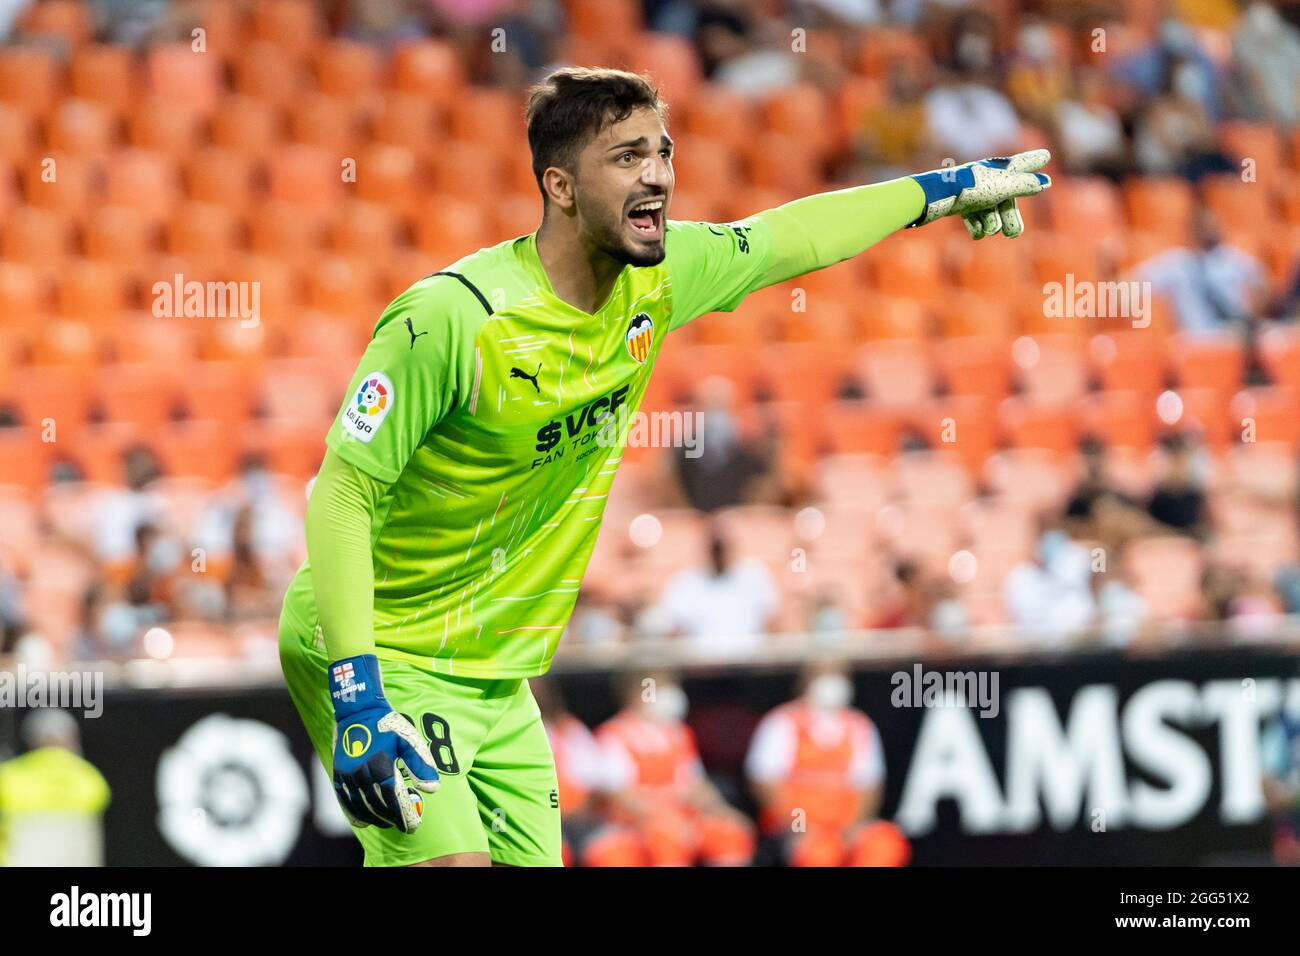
{"points": [[498, 792]]}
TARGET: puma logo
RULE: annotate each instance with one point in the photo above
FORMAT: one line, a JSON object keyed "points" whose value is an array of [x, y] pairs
{"points": [[520, 373], [414, 334]]}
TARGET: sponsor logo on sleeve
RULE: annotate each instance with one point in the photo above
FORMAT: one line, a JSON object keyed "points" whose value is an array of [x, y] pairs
{"points": [[369, 406]]}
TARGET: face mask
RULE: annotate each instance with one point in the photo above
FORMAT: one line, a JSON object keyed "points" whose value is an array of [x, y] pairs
{"points": [[1036, 43], [830, 691], [1050, 545], [118, 625], [163, 555], [669, 704], [1189, 82]]}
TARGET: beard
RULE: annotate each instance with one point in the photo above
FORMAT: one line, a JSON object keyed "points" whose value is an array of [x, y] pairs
{"points": [[607, 234]]}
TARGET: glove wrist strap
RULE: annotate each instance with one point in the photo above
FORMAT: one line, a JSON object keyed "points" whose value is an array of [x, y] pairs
{"points": [[940, 184], [354, 684]]}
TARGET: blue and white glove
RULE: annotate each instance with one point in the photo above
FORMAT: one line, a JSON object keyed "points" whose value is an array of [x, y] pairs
{"points": [[378, 755], [984, 193]]}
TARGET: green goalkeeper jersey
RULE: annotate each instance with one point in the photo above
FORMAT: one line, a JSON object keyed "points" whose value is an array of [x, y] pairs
{"points": [[496, 412]]}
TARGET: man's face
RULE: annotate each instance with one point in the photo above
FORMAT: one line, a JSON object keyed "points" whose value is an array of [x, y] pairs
{"points": [[623, 185]]}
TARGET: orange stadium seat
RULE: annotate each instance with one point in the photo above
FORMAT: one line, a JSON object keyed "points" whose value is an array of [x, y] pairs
{"points": [[1279, 352], [160, 125], [217, 175], [967, 314], [517, 215], [1132, 360], [146, 394], [69, 21], [202, 232], [672, 63], [809, 372], [107, 74], [61, 393], [1037, 478], [35, 236], [892, 317], [1166, 571], [64, 183], [619, 20], [801, 112], [21, 291], [318, 119], [292, 26], [895, 373], [142, 180], [80, 128], [405, 119], [1213, 363], [1052, 369], [935, 478], [300, 389], [447, 225], [429, 68], [830, 320], [90, 290], [1162, 207], [363, 228], [463, 169], [262, 72], [974, 366], [1086, 210], [483, 116], [65, 342], [1267, 414], [780, 162], [281, 230], [120, 235], [294, 447], [704, 165], [347, 70], [218, 391], [177, 74], [387, 174], [31, 78], [1260, 142], [246, 125], [198, 448], [1248, 204], [994, 269], [966, 425], [17, 135], [141, 338], [721, 115], [854, 427], [340, 287], [1205, 411], [24, 463], [1119, 419], [1030, 424], [305, 175]]}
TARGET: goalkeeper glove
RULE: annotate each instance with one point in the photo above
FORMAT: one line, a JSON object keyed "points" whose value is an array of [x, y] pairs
{"points": [[377, 752], [984, 193]]}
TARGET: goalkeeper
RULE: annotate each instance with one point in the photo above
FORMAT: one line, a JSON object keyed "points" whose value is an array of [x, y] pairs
{"points": [[465, 476]]}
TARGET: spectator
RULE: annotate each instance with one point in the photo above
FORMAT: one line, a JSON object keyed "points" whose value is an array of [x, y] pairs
{"points": [[817, 769], [584, 788], [965, 116], [1090, 131], [726, 606], [728, 468], [1049, 597], [902, 601], [274, 532], [122, 511], [1178, 502], [735, 57], [53, 798], [1212, 286], [1267, 57], [659, 785], [1280, 761]]}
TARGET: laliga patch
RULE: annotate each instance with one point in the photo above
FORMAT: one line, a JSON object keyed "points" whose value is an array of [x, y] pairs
{"points": [[369, 406]]}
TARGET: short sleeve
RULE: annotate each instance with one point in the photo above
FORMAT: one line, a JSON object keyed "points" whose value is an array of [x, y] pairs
{"points": [[713, 267], [411, 375]]}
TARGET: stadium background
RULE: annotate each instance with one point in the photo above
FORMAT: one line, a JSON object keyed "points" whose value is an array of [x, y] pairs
{"points": [[898, 452]]}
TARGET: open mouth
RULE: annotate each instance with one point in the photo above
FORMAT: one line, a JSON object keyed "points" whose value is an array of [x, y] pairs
{"points": [[647, 218]]}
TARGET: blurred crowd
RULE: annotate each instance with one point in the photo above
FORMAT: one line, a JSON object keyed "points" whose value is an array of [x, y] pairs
{"points": [[1117, 89]]}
